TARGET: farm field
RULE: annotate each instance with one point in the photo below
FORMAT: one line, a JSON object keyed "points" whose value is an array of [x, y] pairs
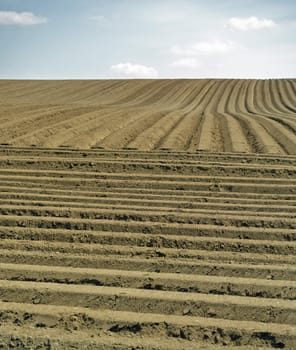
{"points": [[246, 116], [148, 215]]}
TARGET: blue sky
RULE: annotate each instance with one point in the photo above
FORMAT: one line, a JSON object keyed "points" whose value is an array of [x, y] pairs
{"points": [[98, 39]]}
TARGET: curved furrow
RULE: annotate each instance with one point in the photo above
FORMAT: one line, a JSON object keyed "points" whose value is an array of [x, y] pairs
{"points": [[52, 135], [260, 98], [243, 114], [23, 97], [161, 144], [115, 122], [59, 91], [208, 94], [287, 95], [240, 134], [190, 100], [177, 95], [183, 136], [60, 132], [151, 88], [120, 138], [238, 109], [8, 113], [195, 134], [292, 83], [233, 136], [265, 142], [251, 126], [278, 90], [62, 92], [23, 133], [271, 99], [170, 95], [17, 127], [284, 133], [27, 115], [191, 96], [248, 105], [271, 103], [85, 132], [197, 102], [279, 132], [12, 88], [66, 91], [87, 93], [211, 137], [222, 125], [56, 89], [153, 136], [274, 99], [105, 94]]}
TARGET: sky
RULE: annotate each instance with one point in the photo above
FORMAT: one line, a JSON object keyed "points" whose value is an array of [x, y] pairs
{"points": [[110, 39]]}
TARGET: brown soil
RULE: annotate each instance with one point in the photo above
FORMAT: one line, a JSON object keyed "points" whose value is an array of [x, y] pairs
{"points": [[189, 246], [186, 115]]}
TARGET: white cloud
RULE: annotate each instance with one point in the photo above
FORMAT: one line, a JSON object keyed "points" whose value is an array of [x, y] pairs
{"points": [[205, 48], [250, 23], [188, 62], [20, 18], [134, 70]]}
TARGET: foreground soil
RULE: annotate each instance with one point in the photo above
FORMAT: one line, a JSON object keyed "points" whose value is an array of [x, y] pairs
{"points": [[251, 116], [146, 250]]}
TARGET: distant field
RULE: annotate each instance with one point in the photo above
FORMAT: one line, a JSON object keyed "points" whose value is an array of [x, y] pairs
{"points": [[247, 116]]}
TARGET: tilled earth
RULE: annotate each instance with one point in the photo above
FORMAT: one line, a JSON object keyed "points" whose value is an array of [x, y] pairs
{"points": [[130, 249]]}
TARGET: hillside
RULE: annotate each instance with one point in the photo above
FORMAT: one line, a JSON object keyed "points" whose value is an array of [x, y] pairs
{"points": [[246, 116]]}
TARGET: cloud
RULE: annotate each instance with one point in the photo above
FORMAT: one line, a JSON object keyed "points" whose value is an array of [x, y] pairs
{"points": [[20, 18], [188, 62], [250, 23], [205, 48], [134, 70]]}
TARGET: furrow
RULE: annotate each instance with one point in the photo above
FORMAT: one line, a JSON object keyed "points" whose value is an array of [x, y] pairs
{"points": [[159, 264], [151, 281], [23, 198], [209, 333], [128, 246], [151, 301], [48, 213]]}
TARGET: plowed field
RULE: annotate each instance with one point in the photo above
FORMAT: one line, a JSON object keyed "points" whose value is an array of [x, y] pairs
{"points": [[148, 215], [186, 115]]}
